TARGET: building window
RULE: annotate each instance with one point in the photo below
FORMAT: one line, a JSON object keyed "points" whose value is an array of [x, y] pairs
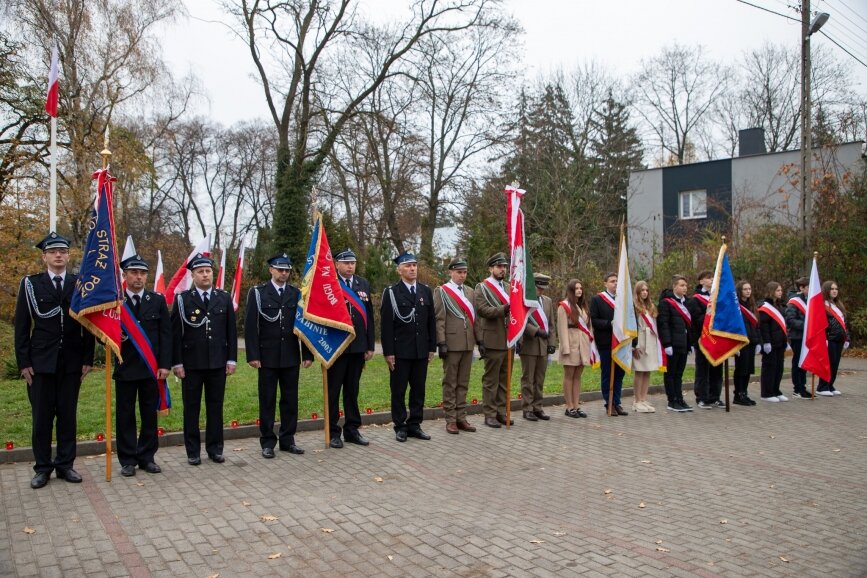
{"points": [[693, 204]]}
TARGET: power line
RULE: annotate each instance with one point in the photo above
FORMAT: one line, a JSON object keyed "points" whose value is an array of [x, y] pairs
{"points": [[864, 64], [852, 11], [840, 15], [769, 10], [853, 42]]}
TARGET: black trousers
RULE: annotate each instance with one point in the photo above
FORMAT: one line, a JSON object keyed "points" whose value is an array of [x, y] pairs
{"points": [[745, 366], [673, 376], [605, 366], [54, 396], [835, 353], [708, 379], [213, 381], [345, 374], [799, 376], [130, 452], [412, 372], [269, 379], [772, 371]]}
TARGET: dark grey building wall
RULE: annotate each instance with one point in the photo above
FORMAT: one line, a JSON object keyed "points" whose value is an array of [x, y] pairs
{"points": [[713, 176]]}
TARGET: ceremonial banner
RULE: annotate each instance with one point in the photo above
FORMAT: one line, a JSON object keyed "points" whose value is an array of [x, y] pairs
{"points": [[239, 275], [522, 296], [53, 91], [97, 296], [814, 345], [139, 339], [723, 333], [128, 251], [183, 277], [221, 275], [624, 327], [159, 276], [322, 320]]}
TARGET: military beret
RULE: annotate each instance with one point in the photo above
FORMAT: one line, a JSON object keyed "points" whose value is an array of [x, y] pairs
{"points": [[53, 241], [135, 262]]}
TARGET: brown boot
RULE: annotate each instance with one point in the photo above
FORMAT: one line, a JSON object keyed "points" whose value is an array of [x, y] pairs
{"points": [[466, 426], [452, 428]]}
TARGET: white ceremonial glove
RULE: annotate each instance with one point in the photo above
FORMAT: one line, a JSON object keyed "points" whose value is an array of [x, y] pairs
{"points": [[737, 353], [692, 350], [669, 351], [758, 349], [788, 347], [766, 347], [845, 346]]}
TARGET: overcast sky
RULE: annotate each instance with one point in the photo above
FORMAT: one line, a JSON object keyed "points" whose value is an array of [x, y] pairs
{"points": [[558, 34]]}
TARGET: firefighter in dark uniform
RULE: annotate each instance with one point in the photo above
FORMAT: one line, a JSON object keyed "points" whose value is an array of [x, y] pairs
{"points": [[408, 344], [54, 353], [134, 378], [204, 352], [274, 350], [346, 371]]}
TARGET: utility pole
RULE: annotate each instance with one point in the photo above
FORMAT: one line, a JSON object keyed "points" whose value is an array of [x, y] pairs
{"points": [[806, 152]]}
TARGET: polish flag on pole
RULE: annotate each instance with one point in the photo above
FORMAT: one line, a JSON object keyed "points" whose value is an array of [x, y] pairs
{"points": [[128, 251], [239, 274], [221, 276], [814, 344], [53, 91], [159, 276], [183, 278]]}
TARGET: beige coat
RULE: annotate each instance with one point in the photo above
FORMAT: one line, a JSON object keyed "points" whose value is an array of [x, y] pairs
{"points": [[491, 319], [458, 334], [532, 345], [574, 343], [648, 344]]}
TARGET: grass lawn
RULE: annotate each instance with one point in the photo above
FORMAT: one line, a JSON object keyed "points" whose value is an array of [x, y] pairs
{"points": [[242, 399]]}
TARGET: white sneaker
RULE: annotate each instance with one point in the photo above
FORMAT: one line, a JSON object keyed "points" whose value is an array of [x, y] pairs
{"points": [[825, 393], [648, 408], [782, 397], [772, 399], [837, 392]]}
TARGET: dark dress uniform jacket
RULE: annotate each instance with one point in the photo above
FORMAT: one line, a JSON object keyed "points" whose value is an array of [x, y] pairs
{"points": [[698, 311], [273, 343], [364, 337], [153, 316], [38, 341], [211, 345], [601, 315], [414, 340]]}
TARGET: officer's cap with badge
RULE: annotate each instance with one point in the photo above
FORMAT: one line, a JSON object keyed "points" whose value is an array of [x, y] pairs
{"points": [[405, 258], [458, 263], [541, 280], [53, 241], [281, 262], [199, 261], [497, 259], [134, 263], [346, 256]]}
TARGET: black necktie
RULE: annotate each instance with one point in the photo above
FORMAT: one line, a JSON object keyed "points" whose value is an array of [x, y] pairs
{"points": [[205, 298], [58, 285], [136, 304], [280, 292], [412, 291]]}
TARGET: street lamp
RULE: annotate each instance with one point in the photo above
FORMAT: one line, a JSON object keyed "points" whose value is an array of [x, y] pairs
{"points": [[808, 28]]}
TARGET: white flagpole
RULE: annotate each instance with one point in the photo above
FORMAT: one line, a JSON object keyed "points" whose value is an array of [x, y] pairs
{"points": [[52, 195]]}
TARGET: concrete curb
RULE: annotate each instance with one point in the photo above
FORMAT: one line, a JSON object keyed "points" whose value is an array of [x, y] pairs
{"points": [[93, 448]]}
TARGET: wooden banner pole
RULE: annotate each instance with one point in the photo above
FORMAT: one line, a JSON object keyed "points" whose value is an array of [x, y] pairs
{"points": [[325, 401]]}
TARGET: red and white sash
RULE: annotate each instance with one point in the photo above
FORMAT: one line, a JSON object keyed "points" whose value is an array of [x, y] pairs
{"points": [[497, 290], [680, 308], [838, 315], [583, 327], [461, 301], [750, 316], [802, 307], [607, 298], [774, 313], [703, 298], [538, 315], [661, 358]]}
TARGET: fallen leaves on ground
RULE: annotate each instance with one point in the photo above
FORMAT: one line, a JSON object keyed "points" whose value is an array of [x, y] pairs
{"points": [[237, 449], [378, 479], [559, 533], [661, 549], [642, 505], [274, 556], [646, 462], [327, 530], [537, 541], [723, 521], [390, 557], [268, 518], [214, 576], [837, 450], [139, 484], [29, 530], [659, 541], [607, 491], [245, 503], [784, 559]]}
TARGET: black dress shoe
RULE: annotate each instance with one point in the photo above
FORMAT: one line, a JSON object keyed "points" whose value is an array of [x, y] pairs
{"points": [[620, 411], [194, 461], [400, 435], [127, 471], [292, 449], [40, 480], [491, 422], [418, 434], [502, 420], [217, 458], [336, 443], [580, 413], [268, 453], [151, 468], [542, 415], [357, 438], [69, 475], [530, 416]]}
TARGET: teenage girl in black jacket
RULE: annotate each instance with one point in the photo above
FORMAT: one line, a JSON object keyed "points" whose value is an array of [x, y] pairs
{"points": [[745, 360], [772, 325], [838, 334]]}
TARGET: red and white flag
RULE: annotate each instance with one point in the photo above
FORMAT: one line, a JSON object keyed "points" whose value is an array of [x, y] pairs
{"points": [[814, 344], [183, 277], [159, 276], [128, 251], [522, 295], [53, 91], [239, 275], [221, 276]]}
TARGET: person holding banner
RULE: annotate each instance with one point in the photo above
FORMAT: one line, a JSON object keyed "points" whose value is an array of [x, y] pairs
{"points": [[838, 335], [708, 377], [745, 359], [492, 304], [772, 325], [205, 351], [146, 349], [273, 350], [673, 323], [577, 345], [538, 342], [346, 371], [649, 356], [796, 311], [602, 315], [54, 353], [456, 339], [409, 342]]}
